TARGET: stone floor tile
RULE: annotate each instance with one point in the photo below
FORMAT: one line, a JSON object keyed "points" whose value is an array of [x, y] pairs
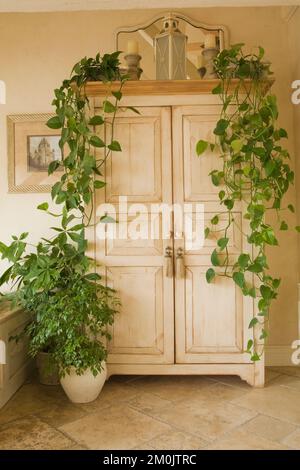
{"points": [[117, 427], [274, 400], [172, 388], [59, 414], [177, 440], [112, 393], [209, 421], [31, 398], [240, 439], [270, 428], [147, 402], [288, 370], [212, 394], [291, 381], [293, 440], [30, 433]]}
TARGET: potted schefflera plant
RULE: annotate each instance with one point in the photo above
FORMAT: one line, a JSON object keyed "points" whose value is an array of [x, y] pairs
{"points": [[70, 307]]}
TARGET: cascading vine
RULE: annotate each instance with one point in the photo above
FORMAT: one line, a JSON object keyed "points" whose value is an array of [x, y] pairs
{"points": [[255, 175], [70, 306]]}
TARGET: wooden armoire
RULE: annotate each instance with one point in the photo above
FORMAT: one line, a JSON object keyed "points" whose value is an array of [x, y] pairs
{"points": [[176, 324]]}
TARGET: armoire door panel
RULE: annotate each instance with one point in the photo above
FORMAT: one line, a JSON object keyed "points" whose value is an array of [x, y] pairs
{"points": [[197, 182], [213, 312], [134, 236], [136, 172], [138, 327], [134, 262], [211, 320]]}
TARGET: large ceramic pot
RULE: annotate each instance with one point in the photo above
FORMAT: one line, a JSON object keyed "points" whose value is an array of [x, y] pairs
{"points": [[47, 376], [83, 388]]}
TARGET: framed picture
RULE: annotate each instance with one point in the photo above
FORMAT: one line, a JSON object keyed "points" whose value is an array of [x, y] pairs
{"points": [[32, 146]]}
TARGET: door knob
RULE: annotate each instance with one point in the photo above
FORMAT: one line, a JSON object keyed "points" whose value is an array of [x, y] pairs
{"points": [[180, 269], [169, 261]]}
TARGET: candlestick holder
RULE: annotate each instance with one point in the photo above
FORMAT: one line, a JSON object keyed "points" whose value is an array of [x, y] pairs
{"points": [[133, 66], [209, 55]]}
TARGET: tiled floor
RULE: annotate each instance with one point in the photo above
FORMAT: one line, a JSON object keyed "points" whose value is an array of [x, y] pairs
{"points": [[159, 413]]}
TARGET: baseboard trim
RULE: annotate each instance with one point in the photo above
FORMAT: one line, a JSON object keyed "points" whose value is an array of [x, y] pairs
{"points": [[278, 356]]}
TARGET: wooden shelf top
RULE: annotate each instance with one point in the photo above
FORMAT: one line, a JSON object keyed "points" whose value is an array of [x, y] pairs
{"points": [[160, 87]]}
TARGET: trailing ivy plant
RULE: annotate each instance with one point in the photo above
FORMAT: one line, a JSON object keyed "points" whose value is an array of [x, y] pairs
{"points": [[54, 280], [254, 175]]}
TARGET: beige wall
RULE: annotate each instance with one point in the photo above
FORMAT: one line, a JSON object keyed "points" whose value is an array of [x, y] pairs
{"points": [[38, 50]]}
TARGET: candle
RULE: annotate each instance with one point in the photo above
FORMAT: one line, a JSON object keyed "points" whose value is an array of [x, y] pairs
{"points": [[209, 41], [132, 47]]}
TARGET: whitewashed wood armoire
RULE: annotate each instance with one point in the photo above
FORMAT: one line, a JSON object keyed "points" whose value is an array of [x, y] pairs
{"points": [[178, 324]]}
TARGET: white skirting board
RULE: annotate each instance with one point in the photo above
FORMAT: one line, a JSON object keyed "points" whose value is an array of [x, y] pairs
{"points": [[279, 356]]}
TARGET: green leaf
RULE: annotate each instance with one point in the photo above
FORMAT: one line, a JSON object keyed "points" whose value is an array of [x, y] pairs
{"points": [[221, 127], [276, 283], [115, 146], [215, 220], [229, 203], [106, 219], [210, 275], [264, 334], [266, 292], [217, 90], [108, 107], [215, 258], [99, 184], [117, 95], [291, 208], [54, 123], [270, 167], [223, 242], [253, 322], [283, 133], [201, 147], [24, 235], [261, 52], [237, 145], [43, 207], [93, 277], [206, 232], [6, 276], [132, 108], [249, 345], [255, 357], [222, 194], [239, 279], [53, 167], [243, 260], [284, 226], [96, 121], [96, 141], [297, 228], [255, 268]]}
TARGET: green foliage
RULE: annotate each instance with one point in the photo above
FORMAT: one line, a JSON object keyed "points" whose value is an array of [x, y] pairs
{"points": [[69, 305], [255, 173]]}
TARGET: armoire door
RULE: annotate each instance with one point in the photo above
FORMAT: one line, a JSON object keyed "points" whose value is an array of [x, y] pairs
{"points": [[143, 331], [211, 320]]}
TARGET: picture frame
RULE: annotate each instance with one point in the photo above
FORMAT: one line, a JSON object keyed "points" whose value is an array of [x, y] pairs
{"points": [[31, 147]]}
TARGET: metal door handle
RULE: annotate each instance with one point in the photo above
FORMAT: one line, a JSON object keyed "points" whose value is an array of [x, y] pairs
{"points": [[180, 268], [169, 261]]}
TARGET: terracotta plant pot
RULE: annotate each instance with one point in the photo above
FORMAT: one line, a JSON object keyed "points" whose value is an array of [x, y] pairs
{"points": [[83, 388], [46, 377]]}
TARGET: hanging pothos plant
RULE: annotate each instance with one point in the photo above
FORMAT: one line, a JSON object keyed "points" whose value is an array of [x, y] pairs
{"points": [[70, 307], [254, 174]]}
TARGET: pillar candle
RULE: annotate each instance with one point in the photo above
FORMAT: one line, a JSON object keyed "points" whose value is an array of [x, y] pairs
{"points": [[209, 41], [132, 47]]}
